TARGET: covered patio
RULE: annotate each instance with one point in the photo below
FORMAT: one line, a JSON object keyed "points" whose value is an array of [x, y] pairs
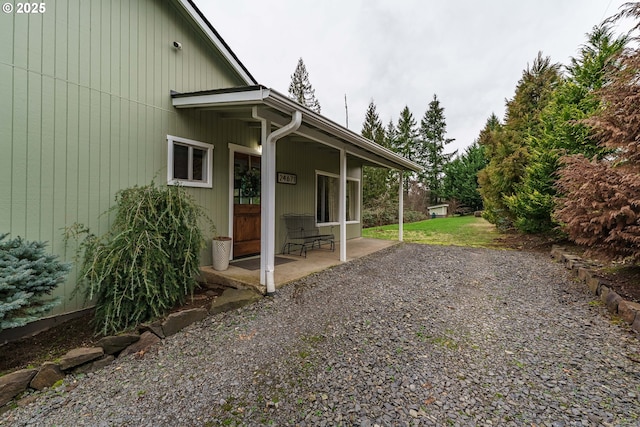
{"points": [[281, 119], [243, 275]]}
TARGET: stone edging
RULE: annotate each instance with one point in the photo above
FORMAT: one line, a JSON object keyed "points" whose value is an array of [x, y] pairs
{"points": [[627, 310], [89, 359]]}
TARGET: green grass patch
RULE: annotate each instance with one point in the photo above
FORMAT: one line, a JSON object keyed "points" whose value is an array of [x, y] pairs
{"points": [[457, 231]]}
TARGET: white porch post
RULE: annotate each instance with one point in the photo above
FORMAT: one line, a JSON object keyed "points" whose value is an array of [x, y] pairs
{"points": [[268, 197], [400, 207], [342, 206], [267, 153]]}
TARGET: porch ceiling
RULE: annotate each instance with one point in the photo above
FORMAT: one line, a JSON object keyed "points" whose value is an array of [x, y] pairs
{"points": [[245, 103]]}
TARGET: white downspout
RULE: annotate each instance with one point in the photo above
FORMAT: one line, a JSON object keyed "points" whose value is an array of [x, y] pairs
{"points": [[342, 207], [400, 208], [268, 193]]}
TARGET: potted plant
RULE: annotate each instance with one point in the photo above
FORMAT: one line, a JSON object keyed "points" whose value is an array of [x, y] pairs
{"points": [[221, 252]]}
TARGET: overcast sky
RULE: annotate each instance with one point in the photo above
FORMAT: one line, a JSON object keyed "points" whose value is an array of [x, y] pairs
{"points": [[469, 53]]}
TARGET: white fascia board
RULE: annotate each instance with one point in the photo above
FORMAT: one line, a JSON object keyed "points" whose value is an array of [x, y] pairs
{"points": [[365, 144], [248, 79], [278, 100], [220, 99], [333, 142]]}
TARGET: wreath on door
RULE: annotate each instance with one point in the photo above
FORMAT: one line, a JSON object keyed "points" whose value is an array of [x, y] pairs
{"points": [[250, 183]]}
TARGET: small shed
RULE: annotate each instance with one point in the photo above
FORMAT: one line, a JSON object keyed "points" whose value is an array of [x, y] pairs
{"points": [[438, 211]]}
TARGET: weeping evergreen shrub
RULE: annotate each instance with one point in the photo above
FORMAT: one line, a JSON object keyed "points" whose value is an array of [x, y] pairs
{"points": [[27, 274], [147, 262]]}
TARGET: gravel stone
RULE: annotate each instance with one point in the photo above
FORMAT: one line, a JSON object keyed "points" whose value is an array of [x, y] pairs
{"points": [[413, 335]]}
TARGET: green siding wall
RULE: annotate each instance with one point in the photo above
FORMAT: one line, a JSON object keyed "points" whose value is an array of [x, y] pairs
{"points": [[88, 87], [303, 159]]}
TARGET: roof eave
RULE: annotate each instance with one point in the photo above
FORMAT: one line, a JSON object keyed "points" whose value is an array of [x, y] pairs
{"points": [[261, 95], [276, 99], [221, 97]]}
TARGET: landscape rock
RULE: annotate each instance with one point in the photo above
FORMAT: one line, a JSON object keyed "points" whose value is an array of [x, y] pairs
{"points": [[568, 257], [114, 344], [95, 365], [612, 300], [78, 356], [180, 320], [15, 383], [628, 311], [575, 264], [147, 339], [48, 374], [232, 299], [604, 292], [155, 327], [557, 251], [636, 324], [584, 273], [594, 284]]}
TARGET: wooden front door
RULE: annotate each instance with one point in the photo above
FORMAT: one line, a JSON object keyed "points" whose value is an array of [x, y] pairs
{"points": [[246, 205]]}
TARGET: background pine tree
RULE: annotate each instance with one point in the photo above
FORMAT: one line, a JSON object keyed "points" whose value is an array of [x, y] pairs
{"points": [[300, 88], [430, 149], [406, 136], [376, 179], [380, 185], [460, 181]]}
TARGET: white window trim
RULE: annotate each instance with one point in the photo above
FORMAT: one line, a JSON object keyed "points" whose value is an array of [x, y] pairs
{"points": [[358, 200], [208, 181]]}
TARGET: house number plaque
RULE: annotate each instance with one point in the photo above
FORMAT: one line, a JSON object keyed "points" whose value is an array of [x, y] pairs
{"points": [[287, 178]]}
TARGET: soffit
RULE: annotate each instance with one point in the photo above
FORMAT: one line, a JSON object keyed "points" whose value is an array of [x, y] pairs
{"points": [[249, 104]]}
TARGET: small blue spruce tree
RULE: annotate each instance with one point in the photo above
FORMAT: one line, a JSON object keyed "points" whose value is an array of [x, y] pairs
{"points": [[27, 273]]}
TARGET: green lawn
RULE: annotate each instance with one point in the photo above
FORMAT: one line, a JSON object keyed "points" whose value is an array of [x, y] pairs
{"points": [[459, 231]]}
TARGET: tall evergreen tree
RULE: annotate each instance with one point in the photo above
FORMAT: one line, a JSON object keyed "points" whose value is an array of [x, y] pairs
{"points": [[300, 88], [460, 181], [430, 150], [390, 141], [375, 179], [491, 182], [508, 145], [563, 130], [533, 93], [405, 141], [390, 136], [372, 127]]}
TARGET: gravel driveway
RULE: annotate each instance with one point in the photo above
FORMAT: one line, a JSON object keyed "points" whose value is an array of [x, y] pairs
{"points": [[412, 335]]}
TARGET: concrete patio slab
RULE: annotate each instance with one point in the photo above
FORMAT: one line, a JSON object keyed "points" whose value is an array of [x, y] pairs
{"points": [[316, 260]]}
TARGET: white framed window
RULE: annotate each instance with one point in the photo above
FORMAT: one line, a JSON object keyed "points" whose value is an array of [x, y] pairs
{"points": [[189, 162], [328, 201]]}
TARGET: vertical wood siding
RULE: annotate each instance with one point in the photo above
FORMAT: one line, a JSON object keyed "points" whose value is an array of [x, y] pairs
{"points": [[88, 88], [303, 159]]}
